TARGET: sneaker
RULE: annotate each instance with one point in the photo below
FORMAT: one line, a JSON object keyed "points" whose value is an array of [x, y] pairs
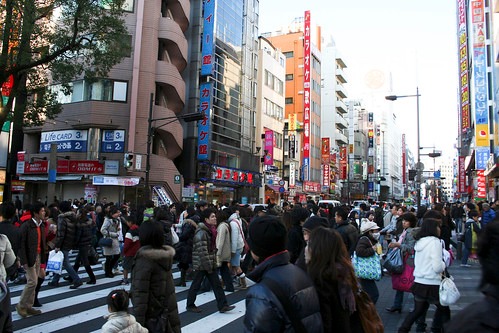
{"points": [[193, 308], [33, 312], [76, 285], [124, 282], [227, 308], [21, 311]]}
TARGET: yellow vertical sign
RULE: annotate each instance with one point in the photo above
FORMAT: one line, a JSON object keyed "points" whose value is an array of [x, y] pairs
{"points": [[292, 122]]}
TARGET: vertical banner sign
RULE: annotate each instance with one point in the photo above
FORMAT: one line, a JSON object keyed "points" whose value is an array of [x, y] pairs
{"points": [[325, 176], [7, 88], [326, 159], [204, 125], [480, 75], [292, 174], [461, 180], [482, 155], [463, 66], [343, 162], [481, 191], [292, 146], [208, 59], [269, 148], [292, 122], [306, 93], [404, 158]]}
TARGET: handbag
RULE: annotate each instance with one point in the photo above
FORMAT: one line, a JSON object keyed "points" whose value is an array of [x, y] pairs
{"points": [[369, 317], [393, 262], [93, 256], [106, 242], [175, 238], [404, 281], [246, 248], [158, 323], [54, 264], [367, 268], [448, 292]]}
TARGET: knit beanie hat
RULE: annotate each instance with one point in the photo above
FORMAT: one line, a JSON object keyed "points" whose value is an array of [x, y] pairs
{"points": [[315, 221], [267, 236]]}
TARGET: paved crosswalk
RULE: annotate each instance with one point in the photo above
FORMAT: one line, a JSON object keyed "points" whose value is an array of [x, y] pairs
{"points": [[83, 309]]}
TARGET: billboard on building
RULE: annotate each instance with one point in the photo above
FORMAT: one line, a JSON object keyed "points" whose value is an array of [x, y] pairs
{"points": [[207, 44], [269, 148], [205, 100], [307, 98], [464, 103]]}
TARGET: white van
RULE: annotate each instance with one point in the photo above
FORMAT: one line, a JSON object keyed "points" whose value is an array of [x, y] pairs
{"points": [[326, 203]]}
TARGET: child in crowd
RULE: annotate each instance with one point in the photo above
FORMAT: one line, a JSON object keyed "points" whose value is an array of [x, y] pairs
{"points": [[118, 319], [130, 248]]}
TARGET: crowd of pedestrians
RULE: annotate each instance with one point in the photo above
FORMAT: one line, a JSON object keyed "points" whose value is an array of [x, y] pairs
{"points": [[299, 257]]}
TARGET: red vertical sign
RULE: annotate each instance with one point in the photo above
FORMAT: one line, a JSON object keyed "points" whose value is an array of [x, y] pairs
{"points": [[269, 147], [461, 180], [481, 191]]}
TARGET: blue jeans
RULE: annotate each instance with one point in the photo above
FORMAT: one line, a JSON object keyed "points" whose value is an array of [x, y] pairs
{"points": [[465, 255], [459, 224], [67, 266]]}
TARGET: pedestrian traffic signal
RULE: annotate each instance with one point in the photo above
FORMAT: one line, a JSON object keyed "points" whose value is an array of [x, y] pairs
{"points": [[412, 174], [128, 160]]}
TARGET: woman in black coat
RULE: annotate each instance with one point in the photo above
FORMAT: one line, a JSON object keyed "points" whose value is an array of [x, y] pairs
{"points": [[184, 249], [153, 291], [296, 242]]}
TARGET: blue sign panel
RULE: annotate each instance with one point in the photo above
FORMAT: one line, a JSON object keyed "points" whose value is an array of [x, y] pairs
{"points": [[207, 57], [113, 141], [67, 141], [204, 125]]}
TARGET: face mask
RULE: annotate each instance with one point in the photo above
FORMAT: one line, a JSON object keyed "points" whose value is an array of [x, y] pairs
{"points": [[376, 235]]}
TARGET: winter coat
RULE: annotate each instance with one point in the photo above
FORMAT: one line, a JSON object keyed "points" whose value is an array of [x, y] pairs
{"points": [[350, 234], [66, 231], [364, 246], [29, 243], [469, 227], [236, 233], [264, 312], [296, 243], [184, 245], [8, 229], [480, 316], [203, 255], [84, 232], [407, 245], [132, 242], [122, 322], [5, 311], [152, 285], [7, 257], [110, 228], [223, 243], [428, 263], [487, 216]]}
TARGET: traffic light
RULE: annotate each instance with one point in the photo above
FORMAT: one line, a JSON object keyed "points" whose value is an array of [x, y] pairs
{"points": [[128, 160], [412, 174]]}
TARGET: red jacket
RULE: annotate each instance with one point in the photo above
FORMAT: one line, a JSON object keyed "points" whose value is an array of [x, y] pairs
{"points": [[132, 243]]}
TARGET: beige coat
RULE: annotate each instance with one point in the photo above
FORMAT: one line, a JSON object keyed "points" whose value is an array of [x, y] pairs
{"points": [[223, 243], [7, 257]]}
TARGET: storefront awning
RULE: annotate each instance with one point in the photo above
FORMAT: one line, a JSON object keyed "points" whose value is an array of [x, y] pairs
{"points": [[273, 188], [45, 178]]}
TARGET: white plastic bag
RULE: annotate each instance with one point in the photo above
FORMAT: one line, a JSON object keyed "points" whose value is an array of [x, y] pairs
{"points": [[448, 292], [175, 238], [54, 264]]}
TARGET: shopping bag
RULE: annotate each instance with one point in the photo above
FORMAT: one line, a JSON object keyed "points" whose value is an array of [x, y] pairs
{"points": [[368, 268], [393, 262], [175, 238], [404, 281], [54, 264], [448, 292]]}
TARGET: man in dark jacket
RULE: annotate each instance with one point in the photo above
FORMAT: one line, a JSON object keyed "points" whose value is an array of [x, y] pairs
{"points": [[31, 254], [264, 310], [204, 263], [7, 212], [348, 232], [66, 241], [482, 316]]}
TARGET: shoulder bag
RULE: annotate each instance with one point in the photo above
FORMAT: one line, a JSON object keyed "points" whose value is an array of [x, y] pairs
{"points": [[394, 263], [106, 242], [448, 292], [286, 304], [367, 268]]}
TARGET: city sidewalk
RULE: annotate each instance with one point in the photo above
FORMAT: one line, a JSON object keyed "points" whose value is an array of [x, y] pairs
{"points": [[467, 280]]}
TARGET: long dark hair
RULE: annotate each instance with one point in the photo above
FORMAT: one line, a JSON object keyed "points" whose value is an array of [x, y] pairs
{"points": [[429, 227], [327, 252]]}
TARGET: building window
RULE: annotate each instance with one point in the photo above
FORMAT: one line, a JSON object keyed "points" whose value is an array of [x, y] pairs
{"points": [[289, 77], [288, 54], [100, 90], [288, 100]]}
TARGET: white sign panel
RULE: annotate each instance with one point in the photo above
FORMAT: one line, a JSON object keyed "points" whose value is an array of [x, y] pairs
{"points": [[111, 167], [292, 174], [116, 181], [68, 140]]}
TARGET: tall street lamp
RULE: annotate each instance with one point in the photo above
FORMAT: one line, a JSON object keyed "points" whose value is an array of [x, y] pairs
{"points": [[418, 165], [188, 117]]}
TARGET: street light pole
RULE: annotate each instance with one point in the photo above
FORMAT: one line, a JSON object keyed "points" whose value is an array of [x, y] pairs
{"points": [[418, 165]]}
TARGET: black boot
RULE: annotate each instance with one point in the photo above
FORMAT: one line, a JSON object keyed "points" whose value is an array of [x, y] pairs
{"points": [[37, 303], [181, 283]]}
